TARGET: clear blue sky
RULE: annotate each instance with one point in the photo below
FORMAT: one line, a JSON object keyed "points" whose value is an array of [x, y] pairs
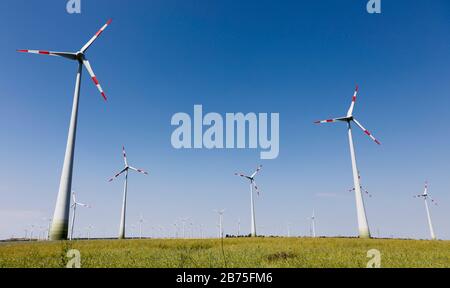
{"points": [[301, 59]]}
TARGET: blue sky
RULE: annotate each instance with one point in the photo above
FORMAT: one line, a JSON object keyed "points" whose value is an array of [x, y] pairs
{"points": [[301, 59]]}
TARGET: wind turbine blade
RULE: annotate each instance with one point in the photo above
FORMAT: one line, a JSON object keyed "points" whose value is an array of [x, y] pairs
{"points": [[138, 170], [332, 120], [425, 191], [256, 172], [124, 156], [326, 121], [256, 188], [94, 78], [74, 197], [242, 175], [433, 201], [367, 192], [84, 205], [366, 132], [352, 105], [71, 56], [89, 43], [117, 175]]}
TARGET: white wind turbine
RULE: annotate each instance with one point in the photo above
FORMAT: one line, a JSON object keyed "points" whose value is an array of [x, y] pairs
{"points": [[363, 225], [362, 188], [88, 231], [239, 228], [202, 235], [313, 225], [31, 232], [141, 221], [175, 225], [60, 223], [220, 212], [183, 225], [425, 197], [253, 187], [125, 188], [75, 204]]}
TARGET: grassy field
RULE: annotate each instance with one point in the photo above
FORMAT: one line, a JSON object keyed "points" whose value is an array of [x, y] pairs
{"points": [[242, 253]]}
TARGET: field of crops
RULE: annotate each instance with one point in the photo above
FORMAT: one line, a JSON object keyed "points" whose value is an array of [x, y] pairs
{"points": [[242, 253]]}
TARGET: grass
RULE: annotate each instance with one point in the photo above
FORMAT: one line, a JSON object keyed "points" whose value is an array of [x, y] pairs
{"points": [[239, 253]]}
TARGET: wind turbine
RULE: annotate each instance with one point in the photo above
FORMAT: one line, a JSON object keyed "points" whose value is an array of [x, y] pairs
{"points": [[183, 223], [253, 187], [74, 208], [125, 187], [362, 189], [176, 230], [60, 224], [220, 212], [31, 232], [201, 231], [88, 230], [313, 225], [239, 228], [425, 197], [141, 221], [363, 225], [48, 226]]}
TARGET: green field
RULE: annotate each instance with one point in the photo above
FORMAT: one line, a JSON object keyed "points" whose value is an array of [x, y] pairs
{"points": [[242, 253]]}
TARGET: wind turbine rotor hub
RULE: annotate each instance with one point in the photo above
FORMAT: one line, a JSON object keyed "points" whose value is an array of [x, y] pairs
{"points": [[80, 56]]}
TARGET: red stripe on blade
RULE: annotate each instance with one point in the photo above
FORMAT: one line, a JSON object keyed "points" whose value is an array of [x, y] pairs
{"points": [[95, 80], [104, 96], [44, 52]]}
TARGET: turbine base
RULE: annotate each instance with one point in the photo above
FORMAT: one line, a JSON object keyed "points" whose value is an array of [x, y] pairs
{"points": [[59, 230]]}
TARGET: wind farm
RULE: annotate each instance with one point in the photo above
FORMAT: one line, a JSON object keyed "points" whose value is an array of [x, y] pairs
{"points": [[309, 197]]}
